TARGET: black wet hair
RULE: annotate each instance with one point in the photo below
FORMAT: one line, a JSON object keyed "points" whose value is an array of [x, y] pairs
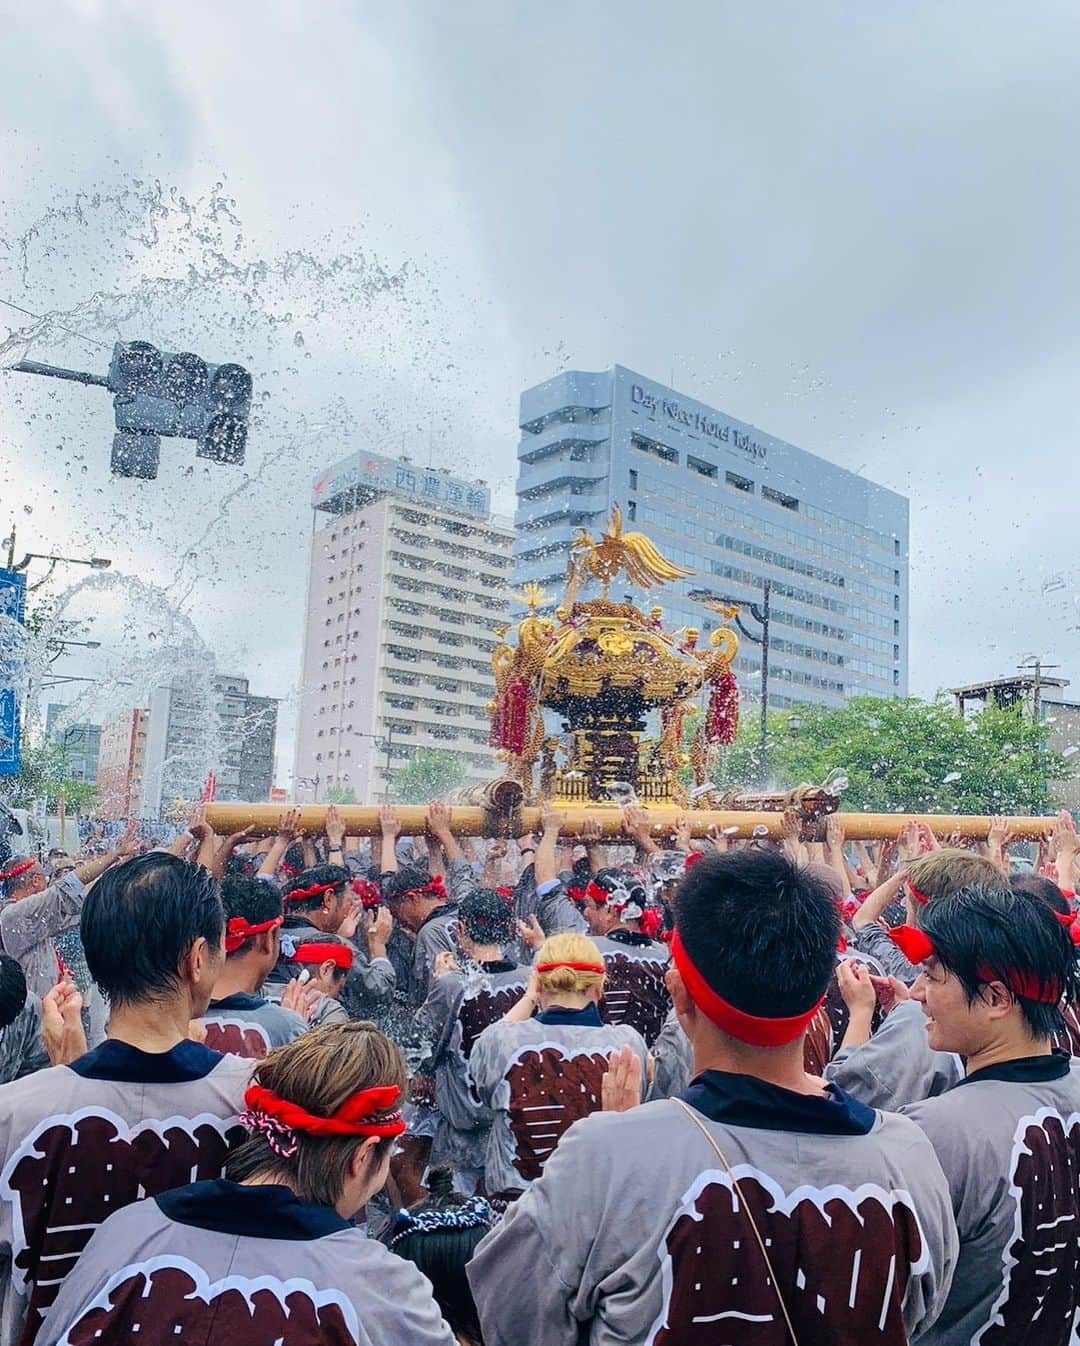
{"points": [[443, 1254], [982, 935], [253, 899], [141, 918], [611, 879], [1034, 885], [294, 856], [338, 875], [12, 989], [487, 917], [405, 880], [761, 931]]}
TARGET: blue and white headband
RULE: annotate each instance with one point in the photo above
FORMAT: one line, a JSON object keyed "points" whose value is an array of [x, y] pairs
{"points": [[475, 1213]]}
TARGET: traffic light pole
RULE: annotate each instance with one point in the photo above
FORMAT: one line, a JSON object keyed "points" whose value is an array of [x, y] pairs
{"points": [[54, 372]]}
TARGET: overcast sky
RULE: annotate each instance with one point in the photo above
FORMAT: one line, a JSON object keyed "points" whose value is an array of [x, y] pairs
{"points": [[853, 226]]}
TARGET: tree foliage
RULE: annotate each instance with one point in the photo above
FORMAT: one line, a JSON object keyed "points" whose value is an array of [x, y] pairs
{"points": [[431, 773], [44, 775], [904, 756], [341, 794]]}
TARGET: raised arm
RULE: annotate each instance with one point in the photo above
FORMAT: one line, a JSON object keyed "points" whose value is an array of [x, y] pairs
{"points": [[636, 824], [289, 830], [546, 862], [390, 828], [439, 818]]}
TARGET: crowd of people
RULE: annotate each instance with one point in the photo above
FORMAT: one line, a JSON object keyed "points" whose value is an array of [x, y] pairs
{"points": [[663, 1090]]}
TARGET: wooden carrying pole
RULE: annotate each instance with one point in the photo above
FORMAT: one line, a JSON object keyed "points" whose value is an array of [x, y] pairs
{"points": [[474, 821]]}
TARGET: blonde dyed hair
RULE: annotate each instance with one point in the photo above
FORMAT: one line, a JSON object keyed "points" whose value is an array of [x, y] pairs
{"points": [[569, 947], [947, 871]]}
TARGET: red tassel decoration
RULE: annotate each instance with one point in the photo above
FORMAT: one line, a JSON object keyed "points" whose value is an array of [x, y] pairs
{"points": [[722, 719]]}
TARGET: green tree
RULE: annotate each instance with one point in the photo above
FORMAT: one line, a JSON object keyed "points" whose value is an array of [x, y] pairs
{"points": [[44, 775], [341, 794], [905, 756], [431, 773]]}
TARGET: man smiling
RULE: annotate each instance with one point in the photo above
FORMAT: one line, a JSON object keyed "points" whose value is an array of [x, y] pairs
{"points": [[996, 968]]}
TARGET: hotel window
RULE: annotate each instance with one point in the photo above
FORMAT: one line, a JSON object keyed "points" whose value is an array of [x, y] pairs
{"points": [[633, 478], [779, 498], [740, 483], [699, 465]]}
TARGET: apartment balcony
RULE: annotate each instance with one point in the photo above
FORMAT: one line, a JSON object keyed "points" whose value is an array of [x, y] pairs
{"points": [[560, 434], [552, 510]]}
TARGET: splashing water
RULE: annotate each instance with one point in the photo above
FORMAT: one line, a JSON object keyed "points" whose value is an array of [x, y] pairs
{"points": [[220, 552]]}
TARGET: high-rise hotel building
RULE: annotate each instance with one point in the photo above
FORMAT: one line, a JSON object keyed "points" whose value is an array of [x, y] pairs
{"points": [[737, 507], [409, 582]]}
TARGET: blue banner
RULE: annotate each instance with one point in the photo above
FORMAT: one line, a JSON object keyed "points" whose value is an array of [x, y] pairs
{"points": [[13, 606]]}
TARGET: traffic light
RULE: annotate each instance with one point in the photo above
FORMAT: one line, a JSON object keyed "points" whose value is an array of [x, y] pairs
{"points": [[158, 394]]}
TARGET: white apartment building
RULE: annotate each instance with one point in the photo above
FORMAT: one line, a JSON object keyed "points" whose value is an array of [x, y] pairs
{"points": [[408, 583]]}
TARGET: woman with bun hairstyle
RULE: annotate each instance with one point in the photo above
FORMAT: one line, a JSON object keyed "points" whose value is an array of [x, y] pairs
{"points": [[541, 1067], [440, 1236], [268, 1253]]}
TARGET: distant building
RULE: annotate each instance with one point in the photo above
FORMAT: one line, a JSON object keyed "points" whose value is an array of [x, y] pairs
{"points": [[120, 765], [234, 738], [1041, 696], [81, 744], [407, 589], [734, 505]]}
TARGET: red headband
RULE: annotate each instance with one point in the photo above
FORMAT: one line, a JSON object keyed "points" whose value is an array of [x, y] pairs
{"points": [[369, 893], [576, 894], [919, 896], [749, 1028], [914, 944], [316, 890], [1071, 923], [693, 858], [917, 947], [354, 1118], [436, 888], [313, 952], [576, 967], [18, 871], [238, 930]]}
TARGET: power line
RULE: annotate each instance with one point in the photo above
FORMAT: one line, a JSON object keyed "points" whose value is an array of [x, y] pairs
{"points": [[70, 330]]}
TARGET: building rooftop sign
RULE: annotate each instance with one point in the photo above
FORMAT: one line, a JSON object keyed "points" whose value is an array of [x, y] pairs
{"points": [[367, 476]]}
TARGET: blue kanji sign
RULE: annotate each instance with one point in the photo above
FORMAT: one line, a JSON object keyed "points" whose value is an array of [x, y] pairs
{"points": [[13, 608]]}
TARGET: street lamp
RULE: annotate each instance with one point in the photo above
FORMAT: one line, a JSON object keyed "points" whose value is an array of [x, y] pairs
{"points": [[794, 724], [94, 562]]}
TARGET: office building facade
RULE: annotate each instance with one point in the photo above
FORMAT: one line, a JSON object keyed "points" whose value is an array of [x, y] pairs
{"points": [[184, 743], [121, 760], [80, 743], [407, 589], [737, 507]]}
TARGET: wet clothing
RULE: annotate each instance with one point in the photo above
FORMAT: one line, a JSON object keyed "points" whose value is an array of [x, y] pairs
{"points": [[634, 989], [850, 1204], [536, 1078], [22, 1050], [249, 1025], [896, 1066], [219, 1264], [368, 987], [873, 939], [459, 1007], [79, 1142], [673, 1055], [27, 929], [1008, 1139]]}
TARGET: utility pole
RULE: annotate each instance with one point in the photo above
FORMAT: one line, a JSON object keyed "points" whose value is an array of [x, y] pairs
{"points": [[1038, 668], [763, 617]]}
